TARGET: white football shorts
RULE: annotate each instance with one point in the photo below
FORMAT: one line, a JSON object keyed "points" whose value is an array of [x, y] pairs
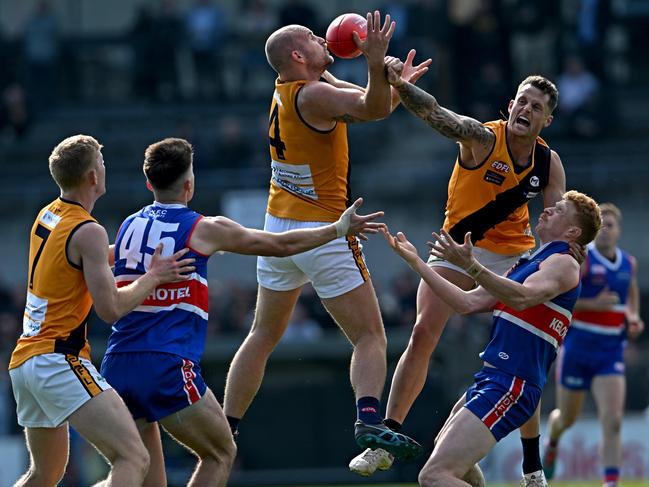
{"points": [[333, 269], [48, 388], [497, 263]]}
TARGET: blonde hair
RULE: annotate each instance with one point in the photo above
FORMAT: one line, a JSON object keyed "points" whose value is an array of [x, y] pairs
{"points": [[589, 215], [71, 159], [611, 209]]}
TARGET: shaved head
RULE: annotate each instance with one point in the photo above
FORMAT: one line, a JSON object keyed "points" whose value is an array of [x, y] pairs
{"points": [[282, 43]]}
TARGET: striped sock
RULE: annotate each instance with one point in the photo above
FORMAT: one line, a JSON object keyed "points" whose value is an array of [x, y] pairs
{"points": [[611, 476]]}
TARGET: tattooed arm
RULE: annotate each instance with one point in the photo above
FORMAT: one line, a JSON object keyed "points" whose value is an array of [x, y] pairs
{"points": [[476, 141]]}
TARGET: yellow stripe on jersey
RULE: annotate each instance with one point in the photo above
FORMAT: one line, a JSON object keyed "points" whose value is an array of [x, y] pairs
{"points": [[58, 301], [471, 189], [309, 167]]}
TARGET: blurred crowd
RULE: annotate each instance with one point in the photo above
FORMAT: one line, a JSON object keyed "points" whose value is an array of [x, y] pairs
{"points": [[207, 53]]}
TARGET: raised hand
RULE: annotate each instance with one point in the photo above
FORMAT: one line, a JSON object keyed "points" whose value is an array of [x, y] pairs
{"points": [[579, 252], [412, 73], [401, 246], [378, 38], [350, 223], [605, 299], [446, 248], [171, 268], [634, 326]]}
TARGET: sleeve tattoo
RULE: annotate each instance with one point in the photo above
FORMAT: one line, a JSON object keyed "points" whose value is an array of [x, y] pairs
{"points": [[446, 122]]}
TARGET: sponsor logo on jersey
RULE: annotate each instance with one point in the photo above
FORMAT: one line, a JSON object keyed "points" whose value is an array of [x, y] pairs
{"points": [[494, 177], [50, 219], [559, 327], [162, 294], [156, 213], [503, 356], [500, 166], [534, 181]]}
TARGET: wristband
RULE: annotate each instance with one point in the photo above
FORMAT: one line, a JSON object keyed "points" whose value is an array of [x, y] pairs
{"points": [[340, 228], [475, 269]]}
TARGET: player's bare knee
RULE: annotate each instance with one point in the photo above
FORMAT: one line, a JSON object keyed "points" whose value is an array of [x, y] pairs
{"points": [[424, 339], [612, 424], [431, 476], [45, 476], [371, 338]]}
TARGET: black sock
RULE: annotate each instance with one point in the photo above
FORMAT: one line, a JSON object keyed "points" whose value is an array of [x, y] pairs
{"points": [[393, 424], [234, 424], [531, 455], [369, 410]]}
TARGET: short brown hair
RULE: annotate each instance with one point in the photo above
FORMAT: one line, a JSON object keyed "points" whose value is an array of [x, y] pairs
{"points": [[166, 161], [546, 86], [71, 159], [589, 216], [611, 209]]}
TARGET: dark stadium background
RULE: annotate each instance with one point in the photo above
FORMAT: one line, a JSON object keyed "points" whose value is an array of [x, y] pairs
{"points": [[131, 72]]}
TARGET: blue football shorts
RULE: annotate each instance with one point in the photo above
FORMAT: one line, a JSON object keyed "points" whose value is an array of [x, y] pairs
{"points": [[154, 385], [576, 367], [503, 402]]}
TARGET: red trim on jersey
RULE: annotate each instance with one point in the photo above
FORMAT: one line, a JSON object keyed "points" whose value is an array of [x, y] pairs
{"points": [[543, 318], [192, 292], [188, 378], [608, 319], [189, 237], [505, 403]]}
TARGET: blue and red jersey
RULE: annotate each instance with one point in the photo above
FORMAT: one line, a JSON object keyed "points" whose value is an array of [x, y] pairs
{"points": [[603, 329], [525, 343], [173, 318]]}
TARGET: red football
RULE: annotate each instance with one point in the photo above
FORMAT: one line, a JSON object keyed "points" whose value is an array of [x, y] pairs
{"points": [[339, 35]]}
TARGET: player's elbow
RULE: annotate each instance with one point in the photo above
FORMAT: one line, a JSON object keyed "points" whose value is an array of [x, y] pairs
{"points": [[521, 303], [107, 313]]}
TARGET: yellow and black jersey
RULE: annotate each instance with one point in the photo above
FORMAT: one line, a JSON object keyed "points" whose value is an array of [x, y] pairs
{"points": [[490, 200], [309, 167], [58, 301]]}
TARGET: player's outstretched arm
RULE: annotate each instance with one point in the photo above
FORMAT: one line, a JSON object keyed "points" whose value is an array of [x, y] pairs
{"points": [[556, 275], [213, 234], [89, 247], [463, 302], [466, 130]]}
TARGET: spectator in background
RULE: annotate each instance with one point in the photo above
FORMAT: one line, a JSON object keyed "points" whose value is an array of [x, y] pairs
{"points": [[142, 39], [592, 19], [205, 25], [302, 328], [579, 103], [533, 36], [429, 31], [167, 38], [301, 13], [490, 94], [256, 21], [41, 45], [13, 110], [232, 148]]}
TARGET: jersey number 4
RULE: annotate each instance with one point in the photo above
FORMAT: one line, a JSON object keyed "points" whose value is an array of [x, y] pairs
{"points": [[130, 247], [275, 140]]}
